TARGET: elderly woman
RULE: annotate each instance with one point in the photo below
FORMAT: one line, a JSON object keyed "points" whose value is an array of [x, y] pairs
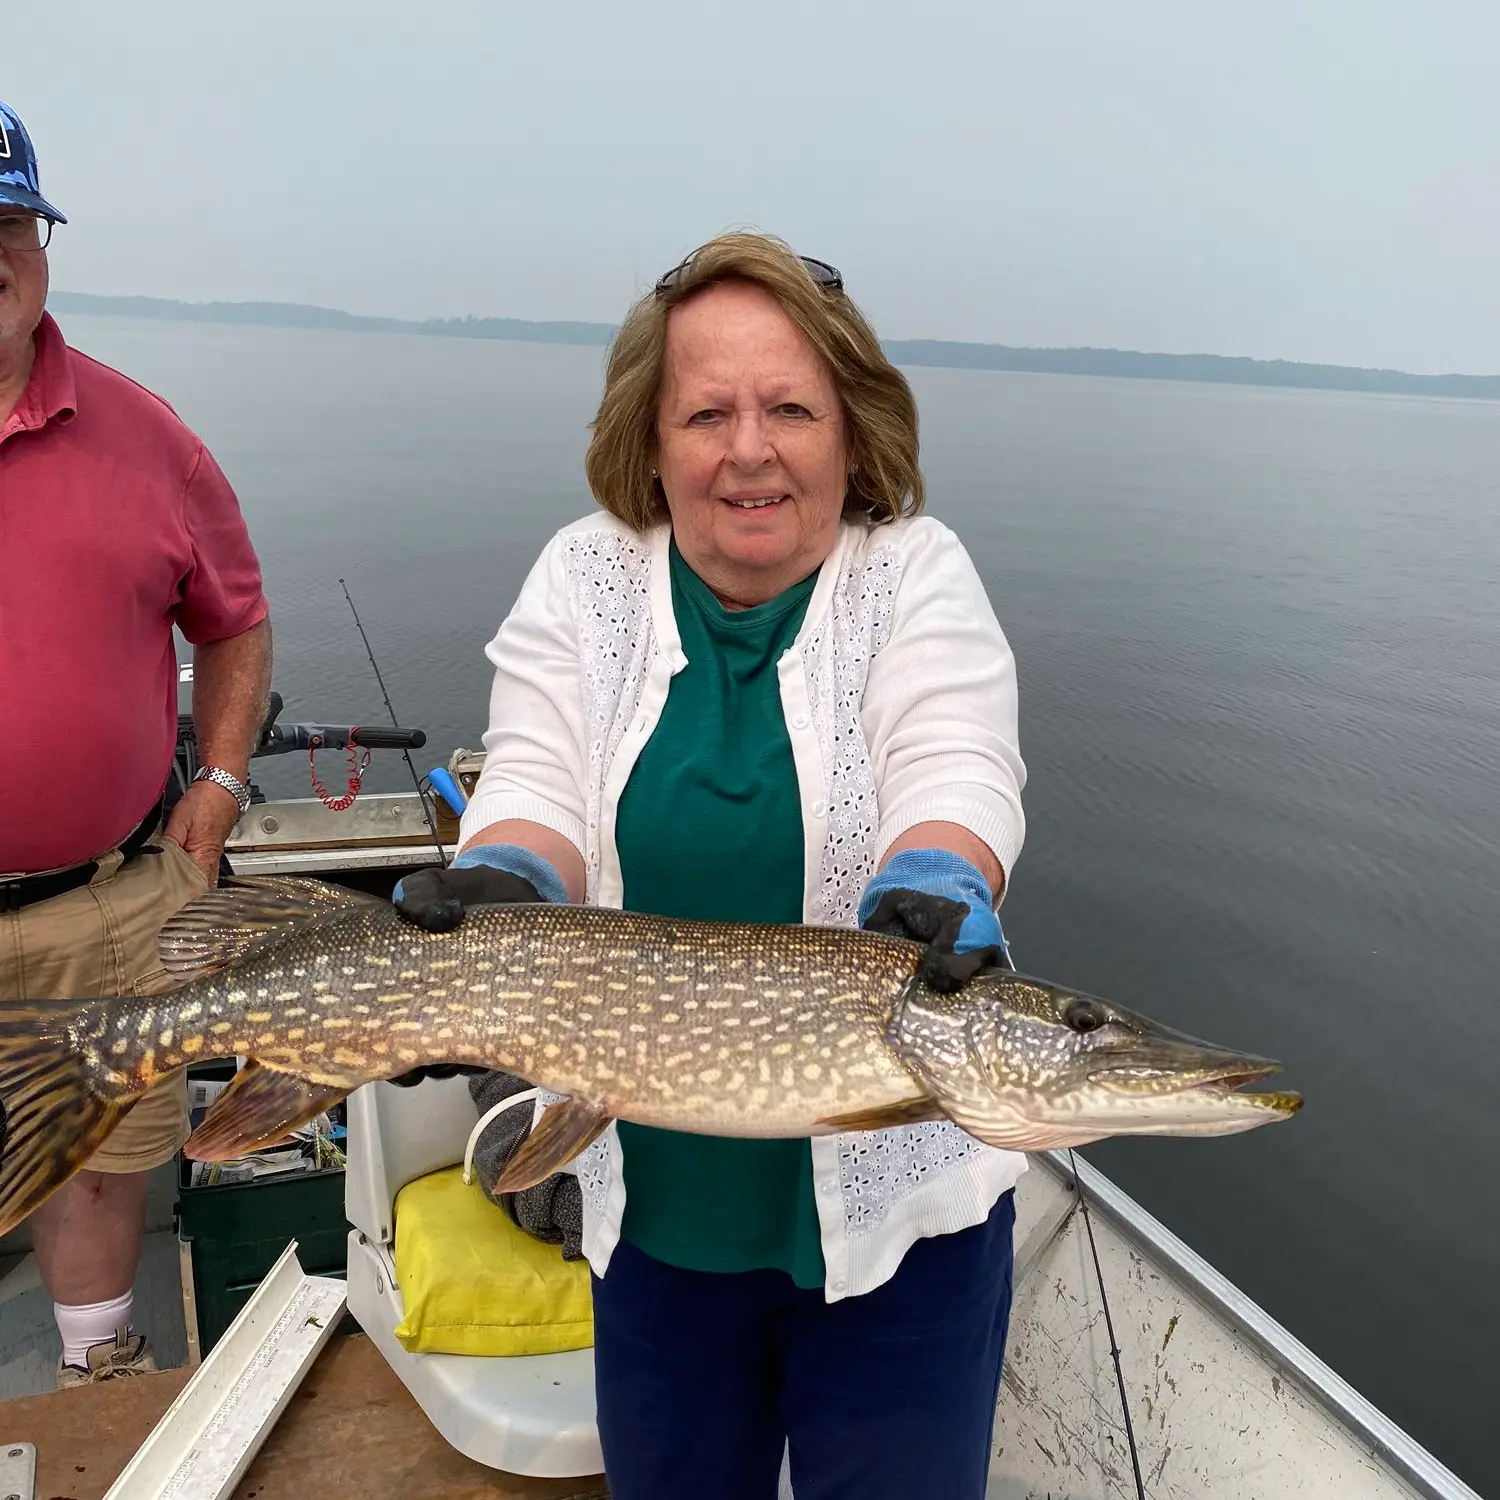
{"points": [[761, 686]]}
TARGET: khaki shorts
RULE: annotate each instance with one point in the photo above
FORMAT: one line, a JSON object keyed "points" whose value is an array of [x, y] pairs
{"points": [[100, 941]]}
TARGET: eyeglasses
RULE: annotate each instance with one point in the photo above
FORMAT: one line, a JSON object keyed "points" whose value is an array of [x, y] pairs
{"points": [[24, 232], [825, 275]]}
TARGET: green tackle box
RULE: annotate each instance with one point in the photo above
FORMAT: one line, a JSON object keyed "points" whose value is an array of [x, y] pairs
{"points": [[231, 1234]]}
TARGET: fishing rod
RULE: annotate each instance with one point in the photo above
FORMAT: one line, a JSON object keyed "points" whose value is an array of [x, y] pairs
{"points": [[1109, 1324], [416, 780]]}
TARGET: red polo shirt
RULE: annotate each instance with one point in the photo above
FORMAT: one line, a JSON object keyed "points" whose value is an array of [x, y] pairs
{"points": [[115, 525]]}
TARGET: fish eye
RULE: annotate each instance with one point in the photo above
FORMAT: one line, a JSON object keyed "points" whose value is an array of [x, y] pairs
{"points": [[1085, 1015]]}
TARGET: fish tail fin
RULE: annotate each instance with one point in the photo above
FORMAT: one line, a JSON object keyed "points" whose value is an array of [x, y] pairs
{"points": [[52, 1118]]}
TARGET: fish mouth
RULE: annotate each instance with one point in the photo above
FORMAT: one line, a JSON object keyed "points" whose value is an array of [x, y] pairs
{"points": [[1231, 1083], [1150, 1098], [1280, 1101], [1236, 1078], [1226, 1081]]}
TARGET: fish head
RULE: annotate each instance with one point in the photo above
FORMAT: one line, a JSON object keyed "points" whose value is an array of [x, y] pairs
{"points": [[1027, 1065]]}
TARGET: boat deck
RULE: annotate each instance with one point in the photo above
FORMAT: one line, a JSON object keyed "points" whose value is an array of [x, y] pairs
{"points": [[350, 1429]]}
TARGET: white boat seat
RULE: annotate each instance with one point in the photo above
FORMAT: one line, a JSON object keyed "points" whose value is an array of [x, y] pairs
{"points": [[526, 1414]]}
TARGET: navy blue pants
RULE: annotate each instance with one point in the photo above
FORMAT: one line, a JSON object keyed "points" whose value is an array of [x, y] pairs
{"points": [[702, 1378]]}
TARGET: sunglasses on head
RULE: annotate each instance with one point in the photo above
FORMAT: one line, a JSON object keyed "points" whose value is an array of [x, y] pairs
{"points": [[825, 275]]}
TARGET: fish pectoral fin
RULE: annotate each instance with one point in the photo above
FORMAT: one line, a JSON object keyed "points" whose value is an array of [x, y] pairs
{"points": [[564, 1131], [919, 1111], [228, 923], [261, 1106]]}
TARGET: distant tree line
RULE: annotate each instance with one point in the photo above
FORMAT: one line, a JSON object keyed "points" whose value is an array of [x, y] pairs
{"points": [[1124, 363]]}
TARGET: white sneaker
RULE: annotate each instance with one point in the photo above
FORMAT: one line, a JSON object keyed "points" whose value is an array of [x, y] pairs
{"points": [[125, 1354]]}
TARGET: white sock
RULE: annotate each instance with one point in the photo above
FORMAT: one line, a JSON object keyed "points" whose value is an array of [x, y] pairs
{"points": [[93, 1323]]}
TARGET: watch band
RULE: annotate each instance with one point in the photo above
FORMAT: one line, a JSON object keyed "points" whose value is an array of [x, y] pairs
{"points": [[236, 788]]}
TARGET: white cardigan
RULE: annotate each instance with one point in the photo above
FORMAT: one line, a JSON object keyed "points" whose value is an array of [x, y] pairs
{"points": [[900, 701]]}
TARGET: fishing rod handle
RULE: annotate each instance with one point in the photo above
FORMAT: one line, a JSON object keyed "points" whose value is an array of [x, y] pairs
{"points": [[283, 739], [390, 739]]}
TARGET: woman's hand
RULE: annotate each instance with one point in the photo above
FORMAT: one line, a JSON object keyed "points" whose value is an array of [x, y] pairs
{"points": [[435, 900], [498, 874], [936, 897]]}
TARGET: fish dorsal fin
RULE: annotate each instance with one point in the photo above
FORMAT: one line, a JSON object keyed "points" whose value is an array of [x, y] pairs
{"points": [[564, 1131], [228, 923], [260, 1107]]}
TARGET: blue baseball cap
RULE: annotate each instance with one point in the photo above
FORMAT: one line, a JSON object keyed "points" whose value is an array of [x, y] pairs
{"points": [[19, 184]]}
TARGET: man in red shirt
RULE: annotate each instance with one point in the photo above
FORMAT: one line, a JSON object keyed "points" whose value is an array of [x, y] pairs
{"points": [[115, 526]]}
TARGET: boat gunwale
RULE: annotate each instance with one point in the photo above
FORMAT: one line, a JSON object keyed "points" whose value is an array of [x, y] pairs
{"points": [[1387, 1440]]}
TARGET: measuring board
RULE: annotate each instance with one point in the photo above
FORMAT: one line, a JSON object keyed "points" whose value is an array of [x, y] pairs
{"points": [[204, 1443]]}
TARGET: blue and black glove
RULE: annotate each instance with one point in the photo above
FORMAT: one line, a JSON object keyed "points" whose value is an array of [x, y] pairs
{"points": [[483, 875], [936, 897]]}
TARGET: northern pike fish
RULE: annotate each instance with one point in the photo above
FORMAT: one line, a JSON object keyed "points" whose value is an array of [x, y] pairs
{"points": [[719, 1028]]}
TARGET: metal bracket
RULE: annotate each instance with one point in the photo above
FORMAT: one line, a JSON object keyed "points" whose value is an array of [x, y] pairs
{"points": [[204, 1443], [17, 1471]]}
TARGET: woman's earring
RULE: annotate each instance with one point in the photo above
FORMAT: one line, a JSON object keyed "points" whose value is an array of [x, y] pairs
{"points": [[653, 473]]}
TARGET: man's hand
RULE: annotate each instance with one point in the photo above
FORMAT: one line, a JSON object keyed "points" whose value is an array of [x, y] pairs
{"points": [[201, 823]]}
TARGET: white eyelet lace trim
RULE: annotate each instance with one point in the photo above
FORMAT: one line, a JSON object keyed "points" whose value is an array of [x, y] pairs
{"points": [[881, 1167], [836, 659], [607, 575]]}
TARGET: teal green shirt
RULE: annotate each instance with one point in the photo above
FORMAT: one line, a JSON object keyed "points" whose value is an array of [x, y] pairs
{"points": [[710, 826]]}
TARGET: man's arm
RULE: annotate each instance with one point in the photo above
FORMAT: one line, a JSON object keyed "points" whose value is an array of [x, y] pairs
{"points": [[231, 686]]}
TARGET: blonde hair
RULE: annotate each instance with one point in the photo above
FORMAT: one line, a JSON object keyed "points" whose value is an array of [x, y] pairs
{"points": [[880, 412]]}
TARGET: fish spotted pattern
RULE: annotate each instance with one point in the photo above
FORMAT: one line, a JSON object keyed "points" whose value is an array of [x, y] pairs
{"points": [[719, 1028]]}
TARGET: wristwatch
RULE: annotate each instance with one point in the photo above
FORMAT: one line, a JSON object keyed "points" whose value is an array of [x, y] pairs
{"points": [[236, 788]]}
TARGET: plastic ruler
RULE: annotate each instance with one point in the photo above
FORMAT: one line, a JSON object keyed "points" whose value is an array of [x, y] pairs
{"points": [[206, 1440]]}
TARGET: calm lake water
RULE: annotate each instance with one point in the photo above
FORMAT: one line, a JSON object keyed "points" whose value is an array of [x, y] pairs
{"points": [[1258, 635]]}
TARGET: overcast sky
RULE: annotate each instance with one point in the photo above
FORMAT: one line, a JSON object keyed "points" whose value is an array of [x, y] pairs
{"points": [[1280, 178]]}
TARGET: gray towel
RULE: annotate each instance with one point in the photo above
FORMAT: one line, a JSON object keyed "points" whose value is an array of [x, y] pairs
{"points": [[552, 1211]]}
